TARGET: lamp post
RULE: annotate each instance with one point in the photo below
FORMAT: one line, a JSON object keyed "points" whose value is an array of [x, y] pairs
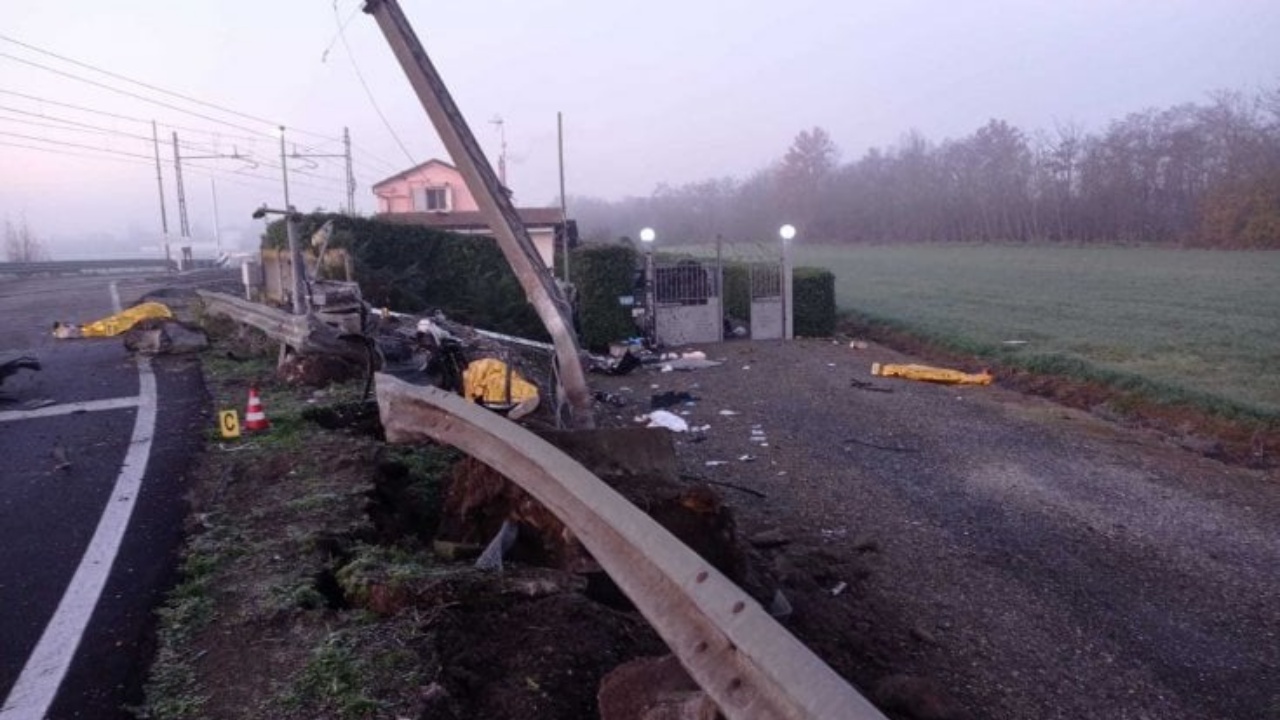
{"points": [[295, 254], [787, 233], [647, 236]]}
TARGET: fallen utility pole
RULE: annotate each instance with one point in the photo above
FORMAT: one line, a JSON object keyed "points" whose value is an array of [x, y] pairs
{"points": [[494, 203]]}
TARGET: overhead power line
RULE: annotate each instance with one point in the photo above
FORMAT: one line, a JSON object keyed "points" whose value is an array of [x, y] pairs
{"points": [[342, 35], [155, 88], [73, 145]]}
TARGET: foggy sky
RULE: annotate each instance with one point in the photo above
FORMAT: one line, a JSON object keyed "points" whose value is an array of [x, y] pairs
{"points": [[652, 92]]}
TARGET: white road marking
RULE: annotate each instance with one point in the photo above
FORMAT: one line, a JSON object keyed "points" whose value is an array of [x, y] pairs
{"points": [[70, 408], [33, 693]]}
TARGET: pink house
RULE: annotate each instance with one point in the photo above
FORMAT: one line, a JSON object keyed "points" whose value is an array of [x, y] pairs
{"points": [[433, 194]]}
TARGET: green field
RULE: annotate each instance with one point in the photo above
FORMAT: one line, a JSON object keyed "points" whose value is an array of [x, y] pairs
{"points": [[1203, 322]]}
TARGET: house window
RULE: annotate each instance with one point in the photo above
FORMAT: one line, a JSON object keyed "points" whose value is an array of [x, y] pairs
{"points": [[431, 199]]}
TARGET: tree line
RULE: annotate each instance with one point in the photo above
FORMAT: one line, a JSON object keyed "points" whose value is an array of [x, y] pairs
{"points": [[1203, 174]]}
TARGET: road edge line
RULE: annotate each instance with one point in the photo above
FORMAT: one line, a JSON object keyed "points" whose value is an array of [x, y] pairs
{"points": [[47, 666]]}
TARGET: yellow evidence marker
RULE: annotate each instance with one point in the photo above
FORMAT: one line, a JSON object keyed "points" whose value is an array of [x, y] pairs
{"points": [[229, 423]]}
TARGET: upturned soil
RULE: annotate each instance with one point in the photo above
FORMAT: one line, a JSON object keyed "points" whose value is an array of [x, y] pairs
{"points": [[956, 552]]}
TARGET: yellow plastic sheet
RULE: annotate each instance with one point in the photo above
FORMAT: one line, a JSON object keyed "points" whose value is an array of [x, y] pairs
{"points": [[118, 323], [485, 381], [931, 374]]}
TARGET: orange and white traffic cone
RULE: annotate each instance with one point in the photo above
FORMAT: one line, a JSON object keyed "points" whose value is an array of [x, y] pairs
{"points": [[254, 417]]}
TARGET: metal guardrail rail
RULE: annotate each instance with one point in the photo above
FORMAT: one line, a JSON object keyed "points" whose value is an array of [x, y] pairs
{"points": [[740, 656], [80, 267]]}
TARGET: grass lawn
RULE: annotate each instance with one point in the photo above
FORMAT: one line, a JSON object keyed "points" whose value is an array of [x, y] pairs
{"points": [[1203, 321]]}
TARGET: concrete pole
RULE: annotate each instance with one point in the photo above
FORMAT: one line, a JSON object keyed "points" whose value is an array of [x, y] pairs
{"points": [[284, 171], [351, 178], [295, 255], [564, 207], [788, 306], [164, 216]]}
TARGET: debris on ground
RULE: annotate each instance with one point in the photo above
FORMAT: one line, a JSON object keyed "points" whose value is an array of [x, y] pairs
{"points": [[664, 419], [650, 688], [112, 325], [671, 398], [869, 387], [928, 373], [164, 336], [11, 364]]}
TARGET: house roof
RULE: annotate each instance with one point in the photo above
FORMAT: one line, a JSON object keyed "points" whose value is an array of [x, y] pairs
{"points": [[470, 220], [405, 173]]}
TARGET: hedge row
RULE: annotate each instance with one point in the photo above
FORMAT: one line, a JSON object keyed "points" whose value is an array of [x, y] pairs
{"points": [[417, 269]]}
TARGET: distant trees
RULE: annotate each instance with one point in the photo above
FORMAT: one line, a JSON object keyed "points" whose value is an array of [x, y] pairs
{"points": [[1206, 174], [20, 244]]}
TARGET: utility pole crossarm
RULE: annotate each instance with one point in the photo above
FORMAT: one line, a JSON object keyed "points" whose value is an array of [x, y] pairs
{"points": [[492, 199]]}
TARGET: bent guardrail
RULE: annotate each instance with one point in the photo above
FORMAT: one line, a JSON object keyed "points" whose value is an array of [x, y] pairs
{"points": [[740, 656]]}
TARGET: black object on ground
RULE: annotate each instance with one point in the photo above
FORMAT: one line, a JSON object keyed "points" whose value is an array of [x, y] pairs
{"points": [[670, 398]]}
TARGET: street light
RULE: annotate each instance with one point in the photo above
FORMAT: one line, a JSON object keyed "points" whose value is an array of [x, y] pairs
{"points": [[787, 233], [647, 236]]}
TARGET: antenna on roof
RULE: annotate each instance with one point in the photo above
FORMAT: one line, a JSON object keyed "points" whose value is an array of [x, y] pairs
{"points": [[502, 153]]}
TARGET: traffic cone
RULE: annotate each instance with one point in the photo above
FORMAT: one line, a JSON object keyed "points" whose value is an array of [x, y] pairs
{"points": [[254, 417]]}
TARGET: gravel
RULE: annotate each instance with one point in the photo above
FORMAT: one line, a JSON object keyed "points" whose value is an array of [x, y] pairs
{"points": [[1035, 561]]}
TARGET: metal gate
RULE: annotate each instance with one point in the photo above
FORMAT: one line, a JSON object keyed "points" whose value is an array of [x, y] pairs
{"points": [[687, 303], [766, 301]]}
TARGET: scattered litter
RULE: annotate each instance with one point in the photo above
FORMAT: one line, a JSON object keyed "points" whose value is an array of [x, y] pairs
{"points": [[624, 388], [770, 538], [11, 364], [729, 412], [864, 385], [779, 607], [716, 463], [491, 558], [609, 398], [670, 398], [700, 428], [928, 373], [839, 588], [670, 421], [831, 364], [686, 412], [890, 448], [496, 385], [620, 366], [1014, 342], [833, 532], [689, 363], [858, 344], [746, 367], [654, 386], [747, 458], [60, 457]]}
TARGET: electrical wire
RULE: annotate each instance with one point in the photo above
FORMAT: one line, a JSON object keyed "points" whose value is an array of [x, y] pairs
{"points": [[342, 35], [55, 151], [73, 145], [149, 86]]}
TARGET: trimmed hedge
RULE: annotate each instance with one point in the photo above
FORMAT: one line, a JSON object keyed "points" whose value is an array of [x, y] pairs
{"points": [[814, 294], [602, 273], [417, 269]]}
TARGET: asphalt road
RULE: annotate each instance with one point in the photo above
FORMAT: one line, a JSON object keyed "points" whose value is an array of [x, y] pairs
{"points": [[1032, 560], [93, 450]]}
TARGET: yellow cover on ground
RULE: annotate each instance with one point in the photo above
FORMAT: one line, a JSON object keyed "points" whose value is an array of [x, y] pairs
{"points": [[121, 321], [485, 381], [931, 374]]}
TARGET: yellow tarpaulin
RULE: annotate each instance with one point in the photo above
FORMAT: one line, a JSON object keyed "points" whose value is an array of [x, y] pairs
{"points": [[931, 374], [115, 324], [485, 381]]}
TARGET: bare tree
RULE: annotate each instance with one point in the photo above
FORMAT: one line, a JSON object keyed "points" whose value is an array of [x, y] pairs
{"points": [[21, 245]]}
